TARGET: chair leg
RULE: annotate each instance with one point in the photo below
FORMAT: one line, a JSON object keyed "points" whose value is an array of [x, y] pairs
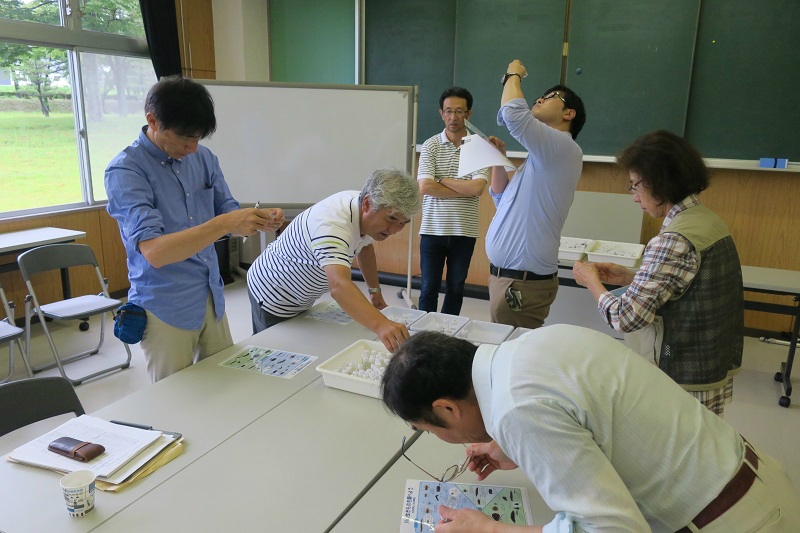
{"points": [[60, 362], [24, 355], [10, 362]]}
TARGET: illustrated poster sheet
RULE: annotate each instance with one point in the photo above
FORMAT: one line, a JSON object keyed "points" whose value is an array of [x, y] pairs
{"points": [[332, 313], [422, 500], [270, 362]]}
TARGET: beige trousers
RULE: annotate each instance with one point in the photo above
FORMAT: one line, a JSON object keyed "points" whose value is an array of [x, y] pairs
{"points": [[168, 349], [771, 505], [536, 298]]}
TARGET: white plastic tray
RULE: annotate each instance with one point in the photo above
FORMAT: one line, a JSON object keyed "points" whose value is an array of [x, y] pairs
{"points": [[621, 253], [517, 333], [480, 332], [573, 249], [440, 322], [403, 315], [337, 380]]}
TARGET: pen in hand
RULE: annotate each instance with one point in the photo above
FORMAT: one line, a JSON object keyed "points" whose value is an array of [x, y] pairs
{"points": [[258, 204]]}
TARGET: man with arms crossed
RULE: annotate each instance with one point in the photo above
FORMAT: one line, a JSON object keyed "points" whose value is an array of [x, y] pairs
{"points": [[449, 206], [609, 440], [314, 254], [171, 201], [533, 202]]}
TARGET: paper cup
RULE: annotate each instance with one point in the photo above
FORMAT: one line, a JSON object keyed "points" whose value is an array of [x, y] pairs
{"points": [[78, 490]]}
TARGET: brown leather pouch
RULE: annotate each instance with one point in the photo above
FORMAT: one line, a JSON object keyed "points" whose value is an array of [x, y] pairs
{"points": [[75, 449]]}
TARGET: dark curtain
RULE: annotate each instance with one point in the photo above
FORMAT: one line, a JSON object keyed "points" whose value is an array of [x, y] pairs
{"points": [[161, 29]]}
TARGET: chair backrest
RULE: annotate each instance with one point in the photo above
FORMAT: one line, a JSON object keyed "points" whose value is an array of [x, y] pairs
{"points": [[4, 307], [30, 400], [54, 256]]}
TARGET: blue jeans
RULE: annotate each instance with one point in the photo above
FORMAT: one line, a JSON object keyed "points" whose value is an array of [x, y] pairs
{"points": [[434, 250]]}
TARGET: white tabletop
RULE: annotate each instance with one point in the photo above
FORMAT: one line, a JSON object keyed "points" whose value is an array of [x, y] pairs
{"points": [[772, 279], [381, 508], [30, 238], [207, 403], [295, 469]]}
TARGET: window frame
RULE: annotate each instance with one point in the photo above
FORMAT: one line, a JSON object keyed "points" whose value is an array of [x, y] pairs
{"points": [[74, 40]]}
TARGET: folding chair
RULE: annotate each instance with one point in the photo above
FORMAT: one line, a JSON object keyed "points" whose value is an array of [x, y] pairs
{"points": [[30, 400], [55, 257], [11, 334]]}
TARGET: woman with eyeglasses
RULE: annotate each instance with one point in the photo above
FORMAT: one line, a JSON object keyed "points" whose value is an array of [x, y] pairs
{"points": [[684, 308]]}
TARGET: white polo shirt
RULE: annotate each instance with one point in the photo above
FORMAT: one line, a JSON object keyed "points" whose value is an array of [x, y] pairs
{"points": [[287, 278]]}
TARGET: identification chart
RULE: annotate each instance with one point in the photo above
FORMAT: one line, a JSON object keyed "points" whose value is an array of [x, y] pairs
{"points": [[270, 362], [422, 500], [331, 312]]}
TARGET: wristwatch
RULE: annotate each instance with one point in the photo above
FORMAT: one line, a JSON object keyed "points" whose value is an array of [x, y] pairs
{"points": [[507, 75], [374, 290], [439, 179]]}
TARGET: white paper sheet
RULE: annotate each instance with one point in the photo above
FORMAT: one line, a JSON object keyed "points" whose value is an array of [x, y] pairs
{"points": [[122, 443], [477, 153]]}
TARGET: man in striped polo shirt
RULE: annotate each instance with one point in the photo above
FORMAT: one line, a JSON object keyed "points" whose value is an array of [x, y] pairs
{"points": [[449, 206], [314, 254]]}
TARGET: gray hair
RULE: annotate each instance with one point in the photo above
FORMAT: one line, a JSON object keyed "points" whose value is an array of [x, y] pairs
{"points": [[393, 189]]}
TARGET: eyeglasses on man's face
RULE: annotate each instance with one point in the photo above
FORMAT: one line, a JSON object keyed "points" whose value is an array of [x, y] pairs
{"points": [[460, 113], [553, 94], [450, 474], [634, 188]]}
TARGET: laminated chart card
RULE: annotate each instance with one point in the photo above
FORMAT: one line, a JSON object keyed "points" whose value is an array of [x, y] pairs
{"points": [[270, 362], [331, 312], [422, 500]]}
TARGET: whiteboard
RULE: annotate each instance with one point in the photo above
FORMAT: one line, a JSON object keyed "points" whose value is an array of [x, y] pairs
{"points": [[282, 144]]}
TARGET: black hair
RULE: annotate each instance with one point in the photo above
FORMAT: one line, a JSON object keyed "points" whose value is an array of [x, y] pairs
{"points": [[182, 106], [669, 166], [426, 367], [573, 101], [458, 92]]}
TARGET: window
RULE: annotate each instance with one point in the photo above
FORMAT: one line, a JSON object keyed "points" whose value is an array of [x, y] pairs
{"points": [[122, 17], [42, 11], [114, 89], [55, 142], [38, 152]]}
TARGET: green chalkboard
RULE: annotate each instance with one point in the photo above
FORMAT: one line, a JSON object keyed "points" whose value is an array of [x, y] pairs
{"points": [[630, 61], [489, 35], [411, 43], [312, 41], [746, 81]]}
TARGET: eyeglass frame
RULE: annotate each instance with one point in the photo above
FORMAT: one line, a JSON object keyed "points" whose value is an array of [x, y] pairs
{"points": [[634, 188], [459, 468], [552, 94], [460, 113]]}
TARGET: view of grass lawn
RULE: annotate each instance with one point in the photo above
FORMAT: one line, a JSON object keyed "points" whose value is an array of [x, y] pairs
{"points": [[39, 156]]}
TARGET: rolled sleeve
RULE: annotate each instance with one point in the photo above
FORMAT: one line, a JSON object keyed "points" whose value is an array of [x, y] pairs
{"points": [[131, 202], [426, 168]]}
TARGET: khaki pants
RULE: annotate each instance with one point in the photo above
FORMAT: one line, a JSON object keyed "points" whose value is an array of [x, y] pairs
{"points": [[536, 296], [771, 505], [168, 349]]}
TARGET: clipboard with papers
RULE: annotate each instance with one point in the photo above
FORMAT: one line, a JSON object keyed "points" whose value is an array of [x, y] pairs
{"points": [[130, 453]]}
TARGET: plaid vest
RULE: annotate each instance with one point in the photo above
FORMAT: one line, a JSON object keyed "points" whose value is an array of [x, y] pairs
{"points": [[703, 327]]}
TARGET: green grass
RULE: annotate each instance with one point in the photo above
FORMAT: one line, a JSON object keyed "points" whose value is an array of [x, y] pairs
{"points": [[39, 157]]}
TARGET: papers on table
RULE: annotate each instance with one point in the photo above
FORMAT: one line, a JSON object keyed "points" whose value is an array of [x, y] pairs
{"points": [[331, 312], [477, 153], [508, 505], [127, 448], [270, 362]]}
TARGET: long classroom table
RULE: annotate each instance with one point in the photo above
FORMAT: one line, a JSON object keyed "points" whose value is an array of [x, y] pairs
{"points": [[207, 403]]}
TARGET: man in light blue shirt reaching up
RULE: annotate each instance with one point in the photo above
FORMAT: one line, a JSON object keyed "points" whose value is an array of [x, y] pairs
{"points": [[171, 201], [533, 202]]}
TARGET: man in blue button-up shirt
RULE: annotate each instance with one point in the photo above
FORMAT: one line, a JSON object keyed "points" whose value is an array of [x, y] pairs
{"points": [[171, 201]]}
